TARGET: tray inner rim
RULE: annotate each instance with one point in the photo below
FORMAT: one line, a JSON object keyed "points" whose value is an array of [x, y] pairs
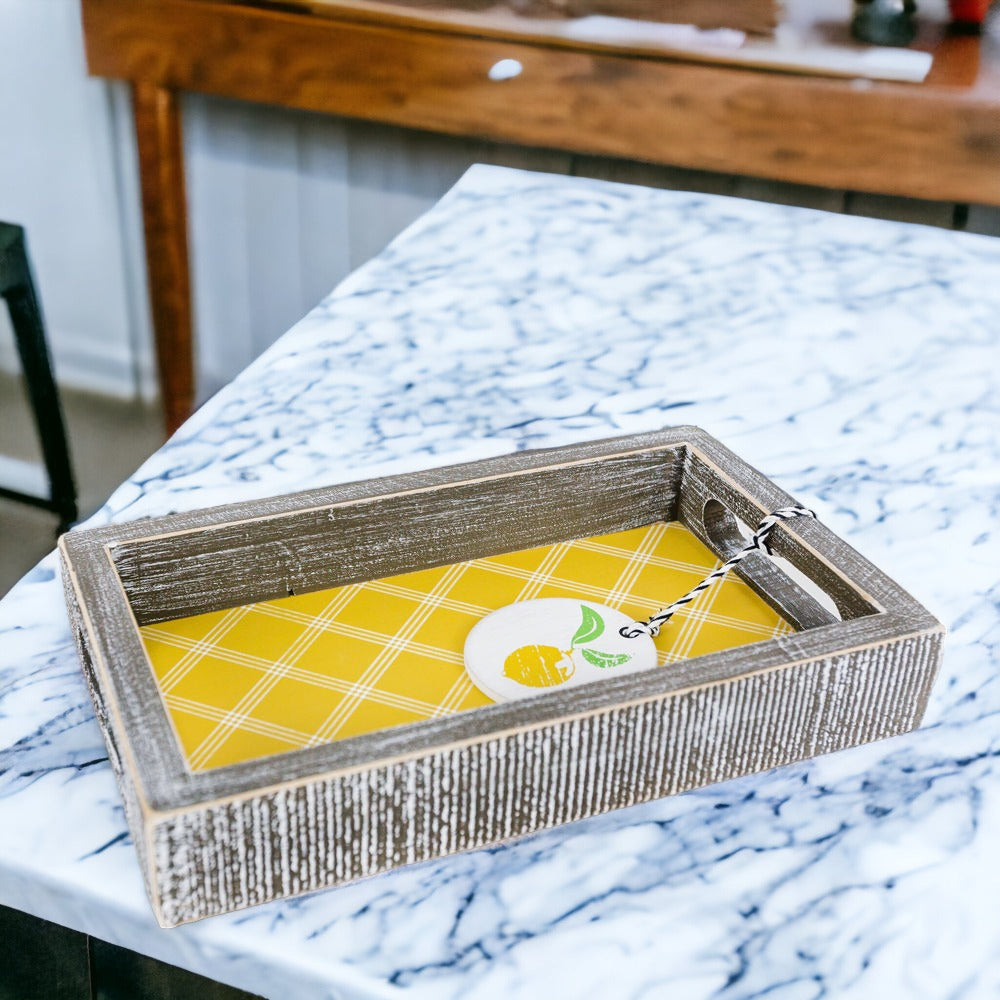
{"points": [[172, 790]]}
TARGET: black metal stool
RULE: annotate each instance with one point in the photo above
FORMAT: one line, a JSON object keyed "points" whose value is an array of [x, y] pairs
{"points": [[18, 290]]}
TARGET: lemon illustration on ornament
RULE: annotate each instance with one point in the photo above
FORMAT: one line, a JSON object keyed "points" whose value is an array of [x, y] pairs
{"points": [[547, 644], [543, 666], [539, 666]]}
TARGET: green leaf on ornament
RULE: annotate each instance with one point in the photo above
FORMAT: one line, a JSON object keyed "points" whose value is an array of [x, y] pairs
{"points": [[604, 660], [590, 628]]}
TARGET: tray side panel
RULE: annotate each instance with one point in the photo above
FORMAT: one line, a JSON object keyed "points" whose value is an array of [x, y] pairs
{"points": [[126, 781], [307, 836], [268, 557]]}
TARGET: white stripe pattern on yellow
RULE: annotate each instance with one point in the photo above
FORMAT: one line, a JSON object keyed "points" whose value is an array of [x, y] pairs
{"points": [[416, 671]]}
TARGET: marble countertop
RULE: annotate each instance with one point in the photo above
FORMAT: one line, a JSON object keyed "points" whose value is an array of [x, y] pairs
{"points": [[853, 361]]}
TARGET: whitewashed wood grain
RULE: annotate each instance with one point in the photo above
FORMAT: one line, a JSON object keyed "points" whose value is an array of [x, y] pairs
{"points": [[230, 837]]}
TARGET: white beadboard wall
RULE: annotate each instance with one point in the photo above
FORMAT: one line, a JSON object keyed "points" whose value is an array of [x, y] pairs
{"points": [[60, 179], [282, 205]]}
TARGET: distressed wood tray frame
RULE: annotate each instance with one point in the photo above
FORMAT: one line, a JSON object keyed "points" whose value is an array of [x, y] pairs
{"points": [[221, 839]]}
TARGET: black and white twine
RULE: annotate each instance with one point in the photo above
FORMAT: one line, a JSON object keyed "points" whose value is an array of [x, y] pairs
{"points": [[758, 542]]}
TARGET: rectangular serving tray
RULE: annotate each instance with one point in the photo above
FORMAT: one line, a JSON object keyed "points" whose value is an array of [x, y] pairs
{"points": [[221, 839]]}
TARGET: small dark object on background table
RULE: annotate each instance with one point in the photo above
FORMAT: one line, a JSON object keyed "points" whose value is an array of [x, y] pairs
{"points": [[884, 22]]}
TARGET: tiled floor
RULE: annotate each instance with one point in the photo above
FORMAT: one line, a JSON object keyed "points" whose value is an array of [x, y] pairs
{"points": [[109, 439]]}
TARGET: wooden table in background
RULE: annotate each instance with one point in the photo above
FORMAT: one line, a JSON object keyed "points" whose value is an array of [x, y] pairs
{"points": [[936, 140]]}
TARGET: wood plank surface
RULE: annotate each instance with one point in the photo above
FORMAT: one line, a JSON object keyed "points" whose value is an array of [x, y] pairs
{"points": [[191, 572], [939, 140]]}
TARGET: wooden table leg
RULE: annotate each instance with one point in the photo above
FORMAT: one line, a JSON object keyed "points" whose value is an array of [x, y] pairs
{"points": [[164, 214]]}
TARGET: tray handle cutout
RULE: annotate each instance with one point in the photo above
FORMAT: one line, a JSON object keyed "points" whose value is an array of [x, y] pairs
{"points": [[791, 591]]}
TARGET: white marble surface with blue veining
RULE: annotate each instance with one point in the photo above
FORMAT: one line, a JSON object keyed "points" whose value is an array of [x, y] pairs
{"points": [[855, 362]]}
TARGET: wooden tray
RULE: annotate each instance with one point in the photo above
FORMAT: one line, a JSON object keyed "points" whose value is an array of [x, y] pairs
{"points": [[215, 840]]}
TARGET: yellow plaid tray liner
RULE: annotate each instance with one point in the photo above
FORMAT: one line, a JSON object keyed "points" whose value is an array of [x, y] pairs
{"points": [[267, 678]]}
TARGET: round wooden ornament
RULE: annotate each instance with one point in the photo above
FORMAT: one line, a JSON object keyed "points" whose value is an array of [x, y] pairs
{"points": [[530, 647]]}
